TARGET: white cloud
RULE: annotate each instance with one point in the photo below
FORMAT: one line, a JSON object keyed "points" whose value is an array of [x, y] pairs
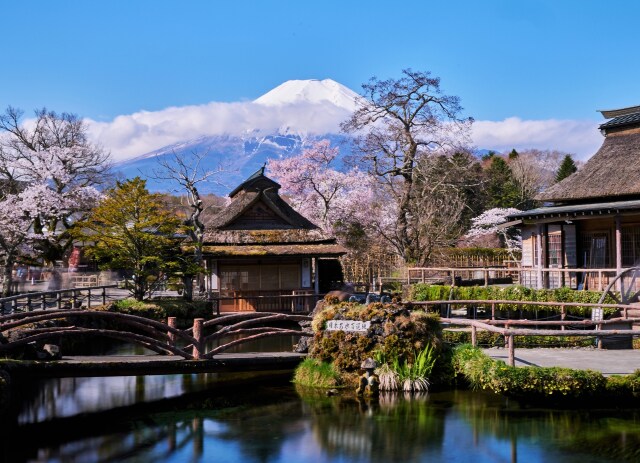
{"points": [[131, 135], [580, 138]]}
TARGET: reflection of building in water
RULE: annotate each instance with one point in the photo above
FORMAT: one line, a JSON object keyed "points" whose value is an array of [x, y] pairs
{"points": [[348, 440]]}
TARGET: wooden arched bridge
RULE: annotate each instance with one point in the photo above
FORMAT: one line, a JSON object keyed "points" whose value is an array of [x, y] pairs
{"points": [[181, 350]]}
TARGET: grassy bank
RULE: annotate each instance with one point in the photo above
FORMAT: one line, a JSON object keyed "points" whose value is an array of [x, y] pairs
{"points": [[550, 385]]}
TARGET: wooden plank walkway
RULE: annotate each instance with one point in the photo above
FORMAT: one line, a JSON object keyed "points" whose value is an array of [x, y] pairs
{"points": [[134, 365]]}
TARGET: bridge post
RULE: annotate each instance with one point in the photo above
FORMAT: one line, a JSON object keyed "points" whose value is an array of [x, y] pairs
{"points": [[104, 296], [89, 298], [197, 334], [171, 321], [511, 344], [474, 339]]}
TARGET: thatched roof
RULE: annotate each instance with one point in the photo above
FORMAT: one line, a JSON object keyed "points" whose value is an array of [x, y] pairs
{"points": [[258, 222], [283, 216], [612, 173]]}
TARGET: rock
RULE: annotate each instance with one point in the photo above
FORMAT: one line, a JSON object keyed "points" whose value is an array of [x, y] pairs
{"points": [[50, 351]]}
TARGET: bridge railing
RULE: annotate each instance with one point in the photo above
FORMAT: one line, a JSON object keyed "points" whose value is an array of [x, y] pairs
{"points": [[59, 299]]}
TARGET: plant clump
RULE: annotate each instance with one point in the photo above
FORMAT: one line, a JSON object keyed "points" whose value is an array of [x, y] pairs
{"points": [[411, 339]]}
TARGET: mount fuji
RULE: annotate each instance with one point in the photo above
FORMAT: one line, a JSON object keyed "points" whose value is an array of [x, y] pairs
{"points": [[241, 137]]}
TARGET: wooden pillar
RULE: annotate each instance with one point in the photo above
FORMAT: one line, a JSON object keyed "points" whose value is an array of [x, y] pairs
{"points": [[88, 298], [197, 334], [474, 334], [493, 311], [539, 255], [563, 315], [618, 221], [316, 277], [511, 345]]}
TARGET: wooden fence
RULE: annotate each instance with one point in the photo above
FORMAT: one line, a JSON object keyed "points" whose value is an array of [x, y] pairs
{"points": [[61, 298], [504, 327], [595, 279]]}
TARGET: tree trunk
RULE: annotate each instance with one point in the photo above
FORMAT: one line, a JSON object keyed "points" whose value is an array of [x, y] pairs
{"points": [[187, 283], [7, 278]]}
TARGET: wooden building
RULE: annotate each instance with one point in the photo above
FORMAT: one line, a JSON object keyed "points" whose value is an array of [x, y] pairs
{"points": [[590, 222], [262, 255]]}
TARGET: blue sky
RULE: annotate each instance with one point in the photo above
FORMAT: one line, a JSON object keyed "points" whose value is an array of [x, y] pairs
{"points": [[533, 60]]}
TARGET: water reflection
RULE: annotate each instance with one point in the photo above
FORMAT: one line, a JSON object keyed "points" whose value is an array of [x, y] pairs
{"points": [[257, 422]]}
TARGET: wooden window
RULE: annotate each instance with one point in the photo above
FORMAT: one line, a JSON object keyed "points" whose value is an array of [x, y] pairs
{"points": [[630, 245], [289, 276], [554, 246], [595, 251]]}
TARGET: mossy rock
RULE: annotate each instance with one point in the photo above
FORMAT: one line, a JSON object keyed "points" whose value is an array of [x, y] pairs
{"points": [[395, 332]]}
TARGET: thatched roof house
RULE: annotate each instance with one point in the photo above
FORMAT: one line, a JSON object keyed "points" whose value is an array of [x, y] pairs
{"points": [[259, 245], [592, 218]]}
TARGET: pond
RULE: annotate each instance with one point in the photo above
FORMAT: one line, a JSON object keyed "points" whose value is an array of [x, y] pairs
{"points": [[198, 418]]}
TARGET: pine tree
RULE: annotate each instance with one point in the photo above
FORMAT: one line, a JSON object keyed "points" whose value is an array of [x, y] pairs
{"points": [[567, 167], [132, 230]]}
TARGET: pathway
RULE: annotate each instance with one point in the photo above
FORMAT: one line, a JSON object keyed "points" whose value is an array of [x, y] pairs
{"points": [[609, 362]]}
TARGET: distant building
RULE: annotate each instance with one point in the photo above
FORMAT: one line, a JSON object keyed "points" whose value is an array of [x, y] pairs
{"points": [[591, 219], [259, 247]]}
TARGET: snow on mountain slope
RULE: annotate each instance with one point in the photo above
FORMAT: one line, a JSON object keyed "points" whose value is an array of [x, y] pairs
{"points": [[310, 91], [242, 137]]}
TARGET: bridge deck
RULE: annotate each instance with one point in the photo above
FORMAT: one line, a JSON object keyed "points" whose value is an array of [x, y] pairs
{"points": [[133, 365]]}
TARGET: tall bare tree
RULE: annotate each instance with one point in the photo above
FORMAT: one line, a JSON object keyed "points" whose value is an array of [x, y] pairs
{"points": [[399, 122], [187, 172]]}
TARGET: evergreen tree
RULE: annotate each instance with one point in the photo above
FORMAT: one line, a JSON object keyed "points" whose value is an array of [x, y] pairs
{"points": [[501, 187], [131, 229], [567, 167]]}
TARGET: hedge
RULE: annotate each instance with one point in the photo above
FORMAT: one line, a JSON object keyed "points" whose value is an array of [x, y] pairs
{"points": [[425, 292]]}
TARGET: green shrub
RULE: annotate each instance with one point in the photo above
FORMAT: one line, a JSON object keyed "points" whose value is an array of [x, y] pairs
{"points": [[314, 373], [482, 372], [139, 308], [161, 309]]}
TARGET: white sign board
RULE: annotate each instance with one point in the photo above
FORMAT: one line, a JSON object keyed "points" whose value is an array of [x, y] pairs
{"points": [[348, 325], [596, 314]]}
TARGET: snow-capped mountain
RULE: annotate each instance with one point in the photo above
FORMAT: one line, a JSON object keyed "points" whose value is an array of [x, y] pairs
{"points": [[310, 91], [278, 124]]}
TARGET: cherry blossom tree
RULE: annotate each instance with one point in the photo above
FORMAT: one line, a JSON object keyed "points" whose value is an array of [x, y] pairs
{"points": [[48, 197], [322, 193], [49, 161], [492, 222], [345, 203]]}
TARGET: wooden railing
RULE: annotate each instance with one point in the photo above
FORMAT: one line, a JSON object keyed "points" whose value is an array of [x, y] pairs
{"points": [[504, 327], [595, 278], [294, 301], [162, 338], [61, 298]]}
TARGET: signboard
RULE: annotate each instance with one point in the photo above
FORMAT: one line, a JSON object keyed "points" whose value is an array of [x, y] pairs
{"points": [[596, 314], [348, 325]]}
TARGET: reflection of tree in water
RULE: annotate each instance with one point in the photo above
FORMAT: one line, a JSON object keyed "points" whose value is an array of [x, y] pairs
{"points": [[573, 432], [394, 428]]}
